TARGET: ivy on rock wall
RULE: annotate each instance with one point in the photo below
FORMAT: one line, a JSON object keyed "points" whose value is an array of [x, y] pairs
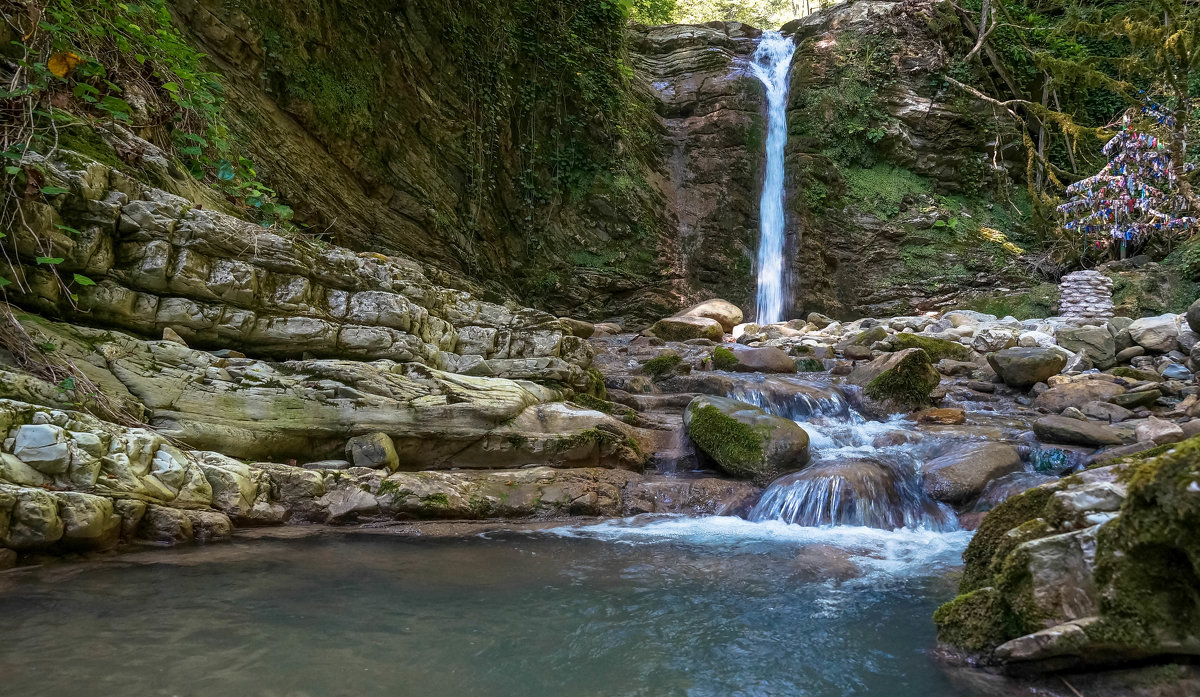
{"points": [[503, 141]]}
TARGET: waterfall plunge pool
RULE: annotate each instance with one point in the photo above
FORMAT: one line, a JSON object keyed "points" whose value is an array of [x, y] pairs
{"points": [[652, 606]]}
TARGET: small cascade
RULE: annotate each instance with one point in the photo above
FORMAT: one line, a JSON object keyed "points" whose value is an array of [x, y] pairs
{"points": [[855, 477], [771, 63]]}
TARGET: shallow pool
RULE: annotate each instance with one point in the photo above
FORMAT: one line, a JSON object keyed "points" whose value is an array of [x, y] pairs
{"points": [[706, 607]]}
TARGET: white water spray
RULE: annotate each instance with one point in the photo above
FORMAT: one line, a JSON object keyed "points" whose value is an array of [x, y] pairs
{"points": [[771, 63]]}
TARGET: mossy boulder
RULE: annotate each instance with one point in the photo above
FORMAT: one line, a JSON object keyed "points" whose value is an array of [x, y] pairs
{"points": [[664, 366], [686, 328], [936, 348], [1024, 367], [723, 311], [896, 382], [1097, 569], [743, 440]]}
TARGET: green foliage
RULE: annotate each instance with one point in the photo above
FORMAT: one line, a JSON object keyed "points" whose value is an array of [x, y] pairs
{"points": [[653, 11], [1036, 302], [881, 189], [81, 62]]}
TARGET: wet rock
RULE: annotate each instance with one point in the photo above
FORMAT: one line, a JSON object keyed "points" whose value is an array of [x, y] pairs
{"points": [[1159, 334], [744, 440], [1076, 394], [723, 312], [979, 386], [165, 525], [209, 526], [1060, 429], [765, 359], [897, 437], [684, 328], [1003, 488], [1023, 367], [1159, 431], [1175, 371], [962, 475], [865, 492], [8, 558], [374, 450], [945, 416]]}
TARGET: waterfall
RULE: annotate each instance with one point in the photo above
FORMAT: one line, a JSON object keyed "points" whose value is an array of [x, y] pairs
{"points": [[771, 63]]}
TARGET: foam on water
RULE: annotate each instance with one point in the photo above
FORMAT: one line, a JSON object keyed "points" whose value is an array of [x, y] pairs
{"points": [[902, 551]]}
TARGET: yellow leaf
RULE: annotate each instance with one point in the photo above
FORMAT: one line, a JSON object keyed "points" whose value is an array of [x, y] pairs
{"points": [[61, 64]]}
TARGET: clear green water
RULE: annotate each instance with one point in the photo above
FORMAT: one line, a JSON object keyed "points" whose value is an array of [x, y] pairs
{"points": [[715, 607]]}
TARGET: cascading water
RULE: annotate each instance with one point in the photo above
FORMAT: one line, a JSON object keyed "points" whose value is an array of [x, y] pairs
{"points": [[771, 63], [852, 480]]}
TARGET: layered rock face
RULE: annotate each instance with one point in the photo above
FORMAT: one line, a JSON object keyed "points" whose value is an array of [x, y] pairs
{"points": [[355, 370], [710, 105]]}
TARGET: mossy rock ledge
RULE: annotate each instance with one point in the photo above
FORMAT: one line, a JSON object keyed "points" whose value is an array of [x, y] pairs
{"points": [[1096, 570], [743, 440]]}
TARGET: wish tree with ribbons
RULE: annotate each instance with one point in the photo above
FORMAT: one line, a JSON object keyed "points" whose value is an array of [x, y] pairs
{"points": [[1136, 197]]}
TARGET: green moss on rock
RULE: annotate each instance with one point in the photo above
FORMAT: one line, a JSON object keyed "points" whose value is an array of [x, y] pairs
{"points": [[738, 447], [724, 359], [937, 349], [663, 366], [906, 385]]}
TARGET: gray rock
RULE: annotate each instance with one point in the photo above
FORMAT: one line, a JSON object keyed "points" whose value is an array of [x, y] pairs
{"points": [[89, 522], [994, 339], [723, 312], [1076, 394], [1159, 431], [1060, 429], [165, 525], [43, 447], [209, 526], [684, 328], [961, 476], [1023, 367], [373, 450], [1193, 316], [1126, 355], [764, 359], [1159, 334], [1106, 411], [1096, 342]]}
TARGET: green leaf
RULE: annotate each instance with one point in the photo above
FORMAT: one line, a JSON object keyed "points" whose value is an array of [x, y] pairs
{"points": [[171, 87], [192, 150], [67, 228], [939, 223], [225, 170], [84, 280], [4, 282], [50, 260], [12, 170], [54, 190]]}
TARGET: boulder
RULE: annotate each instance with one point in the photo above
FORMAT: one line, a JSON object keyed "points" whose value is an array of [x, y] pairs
{"points": [[209, 526], [763, 359], [1159, 334], [960, 476], [994, 339], [896, 382], [374, 450], [685, 328], [819, 320], [723, 312], [1062, 429], [29, 518], [1136, 399], [1097, 342], [1193, 316], [579, 328], [165, 525], [1076, 394], [1024, 367], [744, 440], [1106, 411], [1159, 431]]}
